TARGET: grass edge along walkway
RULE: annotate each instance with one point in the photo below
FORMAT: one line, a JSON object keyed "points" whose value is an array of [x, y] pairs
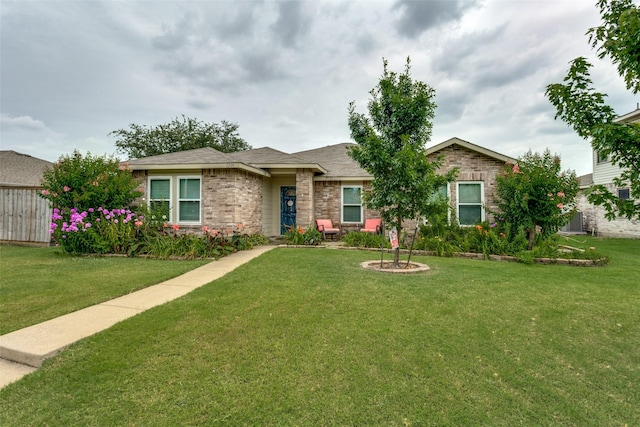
{"points": [[30, 346]]}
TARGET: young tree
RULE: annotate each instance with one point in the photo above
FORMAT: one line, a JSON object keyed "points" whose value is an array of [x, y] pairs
{"points": [[84, 182], [579, 105], [391, 147], [178, 135], [535, 193]]}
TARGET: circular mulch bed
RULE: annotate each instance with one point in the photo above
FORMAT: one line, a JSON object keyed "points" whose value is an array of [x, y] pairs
{"points": [[387, 267]]}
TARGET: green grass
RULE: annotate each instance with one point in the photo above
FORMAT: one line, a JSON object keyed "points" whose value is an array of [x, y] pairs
{"points": [[307, 337], [37, 284]]}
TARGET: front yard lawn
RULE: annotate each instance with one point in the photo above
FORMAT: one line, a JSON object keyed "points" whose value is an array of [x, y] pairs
{"points": [[307, 337], [38, 284]]}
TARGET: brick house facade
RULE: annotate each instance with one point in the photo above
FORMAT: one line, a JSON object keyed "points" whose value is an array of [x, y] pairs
{"points": [[262, 189]]}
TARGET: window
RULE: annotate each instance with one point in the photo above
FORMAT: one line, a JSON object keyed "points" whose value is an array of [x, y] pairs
{"points": [[442, 192], [352, 204], [189, 200], [178, 196], [160, 194], [623, 193], [601, 158], [470, 196]]}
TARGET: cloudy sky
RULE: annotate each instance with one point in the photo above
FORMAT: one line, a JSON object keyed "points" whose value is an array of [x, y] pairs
{"points": [[285, 71]]}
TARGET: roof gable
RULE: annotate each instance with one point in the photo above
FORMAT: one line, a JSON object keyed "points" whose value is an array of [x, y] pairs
{"points": [[472, 147]]}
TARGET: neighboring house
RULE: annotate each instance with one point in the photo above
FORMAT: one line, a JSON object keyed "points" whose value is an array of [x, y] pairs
{"points": [[265, 189], [604, 172], [24, 216]]}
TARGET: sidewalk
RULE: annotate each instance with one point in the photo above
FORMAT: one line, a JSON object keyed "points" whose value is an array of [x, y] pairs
{"points": [[23, 351]]}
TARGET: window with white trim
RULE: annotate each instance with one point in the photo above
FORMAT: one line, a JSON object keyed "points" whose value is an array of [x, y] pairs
{"points": [[469, 202], [189, 199], [180, 196], [160, 194], [352, 204]]}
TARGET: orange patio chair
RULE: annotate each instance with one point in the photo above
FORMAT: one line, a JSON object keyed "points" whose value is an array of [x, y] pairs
{"points": [[373, 225], [325, 226]]}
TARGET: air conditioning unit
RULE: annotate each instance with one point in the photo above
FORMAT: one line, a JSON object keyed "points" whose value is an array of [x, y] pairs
{"points": [[576, 224]]}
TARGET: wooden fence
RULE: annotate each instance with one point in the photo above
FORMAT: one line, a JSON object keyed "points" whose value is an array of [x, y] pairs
{"points": [[24, 216]]}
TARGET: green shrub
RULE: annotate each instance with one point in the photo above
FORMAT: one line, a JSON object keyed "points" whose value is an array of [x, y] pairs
{"points": [[295, 235], [359, 239], [496, 239], [438, 245]]}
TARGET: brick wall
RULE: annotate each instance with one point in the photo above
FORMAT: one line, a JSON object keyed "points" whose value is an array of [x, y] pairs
{"points": [[231, 197], [596, 223], [328, 203]]}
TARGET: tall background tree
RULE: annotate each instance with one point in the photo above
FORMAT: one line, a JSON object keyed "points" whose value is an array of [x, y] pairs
{"points": [[584, 109], [178, 135], [391, 147], [535, 193]]}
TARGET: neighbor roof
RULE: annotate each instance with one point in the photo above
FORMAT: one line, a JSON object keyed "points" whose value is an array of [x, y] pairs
{"points": [[21, 170], [470, 146], [632, 117]]}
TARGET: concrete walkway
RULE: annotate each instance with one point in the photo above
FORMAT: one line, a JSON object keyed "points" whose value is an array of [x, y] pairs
{"points": [[23, 351]]}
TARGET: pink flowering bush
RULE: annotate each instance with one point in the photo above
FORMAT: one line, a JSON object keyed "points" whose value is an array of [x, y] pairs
{"points": [[95, 230], [83, 182], [535, 197]]}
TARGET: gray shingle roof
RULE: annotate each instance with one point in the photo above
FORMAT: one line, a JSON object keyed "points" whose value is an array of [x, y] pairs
{"points": [[335, 160], [17, 169], [197, 156], [266, 155]]}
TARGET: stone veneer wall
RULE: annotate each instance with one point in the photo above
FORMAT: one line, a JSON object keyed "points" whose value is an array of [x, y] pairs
{"points": [[473, 166], [141, 177], [231, 197], [328, 200], [304, 197], [594, 221]]}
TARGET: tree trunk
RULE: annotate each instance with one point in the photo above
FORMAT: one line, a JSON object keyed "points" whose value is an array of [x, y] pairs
{"points": [[396, 253], [532, 237]]}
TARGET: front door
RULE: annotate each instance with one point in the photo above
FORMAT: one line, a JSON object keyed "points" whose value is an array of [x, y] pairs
{"points": [[287, 207]]}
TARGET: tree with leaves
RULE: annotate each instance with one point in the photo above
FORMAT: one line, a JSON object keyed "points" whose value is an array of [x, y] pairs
{"points": [[391, 147], [178, 135], [535, 194], [86, 181], [584, 109]]}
